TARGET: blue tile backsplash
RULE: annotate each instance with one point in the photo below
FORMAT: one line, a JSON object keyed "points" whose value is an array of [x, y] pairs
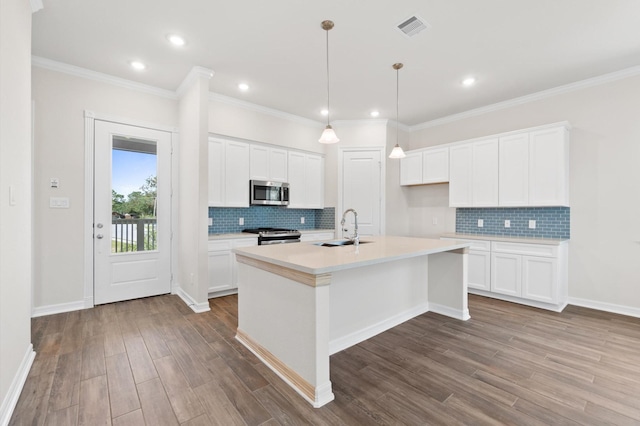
{"points": [[551, 222], [225, 220]]}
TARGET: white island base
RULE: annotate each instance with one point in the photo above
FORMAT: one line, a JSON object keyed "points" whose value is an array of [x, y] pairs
{"points": [[300, 303]]}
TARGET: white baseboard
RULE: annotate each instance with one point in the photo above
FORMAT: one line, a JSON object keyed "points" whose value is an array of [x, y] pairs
{"points": [[459, 314], [356, 337], [195, 307], [222, 293], [11, 399], [39, 311], [607, 307]]}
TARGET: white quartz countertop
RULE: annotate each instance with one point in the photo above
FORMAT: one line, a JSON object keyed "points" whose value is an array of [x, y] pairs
{"points": [[313, 259], [523, 240]]}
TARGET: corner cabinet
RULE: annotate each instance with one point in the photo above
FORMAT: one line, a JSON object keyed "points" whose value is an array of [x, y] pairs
{"points": [[530, 274], [228, 173], [306, 180], [426, 166], [223, 268]]}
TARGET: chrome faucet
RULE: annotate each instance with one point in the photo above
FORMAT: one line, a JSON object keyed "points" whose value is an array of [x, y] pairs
{"points": [[355, 237]]}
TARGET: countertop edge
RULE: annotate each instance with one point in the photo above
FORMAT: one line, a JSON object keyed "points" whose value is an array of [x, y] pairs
{"points": [[505, 239]]}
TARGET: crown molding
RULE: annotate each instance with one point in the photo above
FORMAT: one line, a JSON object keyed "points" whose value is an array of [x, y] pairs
{"points": [[101, 77], [544, 94], [194, 74], [36, 5], [216, 97]]}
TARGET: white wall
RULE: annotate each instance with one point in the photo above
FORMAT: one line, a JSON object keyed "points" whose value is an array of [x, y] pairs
{"points": [[60, 101], [604, 179], [15, 220]]}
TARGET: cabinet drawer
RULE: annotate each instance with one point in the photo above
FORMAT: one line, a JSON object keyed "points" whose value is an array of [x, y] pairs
{"points": [[525, 249], [219, 245]]}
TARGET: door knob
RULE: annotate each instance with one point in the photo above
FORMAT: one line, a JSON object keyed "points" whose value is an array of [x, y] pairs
{"points": [[99, 236]]}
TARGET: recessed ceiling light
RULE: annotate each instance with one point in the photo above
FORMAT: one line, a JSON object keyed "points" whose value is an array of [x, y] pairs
{"points": [[375, 113], [176, 40], [138, 66], [469, 81], [243, 87], [324, 112]]}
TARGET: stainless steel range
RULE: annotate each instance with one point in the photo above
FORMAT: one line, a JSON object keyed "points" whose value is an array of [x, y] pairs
{"points": [[275, 235]]}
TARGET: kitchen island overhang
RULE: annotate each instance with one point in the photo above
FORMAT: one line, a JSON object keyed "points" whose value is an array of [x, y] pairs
{"points": [[300, 303]]}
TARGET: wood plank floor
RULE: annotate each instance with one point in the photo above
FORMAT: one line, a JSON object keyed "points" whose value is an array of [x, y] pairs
{"points": [[153, 361]]}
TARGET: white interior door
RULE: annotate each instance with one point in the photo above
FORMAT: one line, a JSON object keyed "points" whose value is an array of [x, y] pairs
{"points": [[132, 209], [362, 190]]}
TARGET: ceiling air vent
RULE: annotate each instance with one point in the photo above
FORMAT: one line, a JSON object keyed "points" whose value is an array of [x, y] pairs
{"points": [[412, 26]]}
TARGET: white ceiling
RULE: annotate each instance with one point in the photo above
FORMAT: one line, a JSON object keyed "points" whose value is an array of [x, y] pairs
{"points": [[513, 47]]}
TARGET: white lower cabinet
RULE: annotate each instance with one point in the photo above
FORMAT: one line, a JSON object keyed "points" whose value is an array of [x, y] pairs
{"points": [[223, 268], [531, 274]]}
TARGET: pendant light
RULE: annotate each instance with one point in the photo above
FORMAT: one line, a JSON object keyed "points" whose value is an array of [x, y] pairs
{"points": [[328, 135], [397, 151]]}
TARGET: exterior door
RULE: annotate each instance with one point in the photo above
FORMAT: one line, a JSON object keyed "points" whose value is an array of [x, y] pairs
{"points": [[361, 190], [132, 208]]}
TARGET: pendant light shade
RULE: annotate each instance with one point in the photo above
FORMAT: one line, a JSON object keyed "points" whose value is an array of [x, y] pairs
{"points": [[328, 135], [397, 151]]}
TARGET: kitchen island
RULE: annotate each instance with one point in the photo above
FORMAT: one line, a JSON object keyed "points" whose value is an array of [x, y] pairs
{"points": [[300, 303]]}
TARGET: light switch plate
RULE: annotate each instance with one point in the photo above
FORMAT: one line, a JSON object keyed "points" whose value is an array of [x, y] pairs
{"points": [[210, 221], [302, 220], [480, 223], [59, 202], [507, 223], [54, 182], [241, 221], [532, 224]]}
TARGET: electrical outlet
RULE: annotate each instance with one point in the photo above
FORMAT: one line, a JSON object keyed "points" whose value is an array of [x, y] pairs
{"points": [[532, 224], [241, 221], [302, 220], [210, 221], [434, 221], [54, 182], [507, 223], [480, 223]]}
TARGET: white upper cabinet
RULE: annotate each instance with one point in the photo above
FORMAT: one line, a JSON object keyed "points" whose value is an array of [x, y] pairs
{"points": [[514, 170], [430, 165], [268, 164], [435, 165], [306, 180], [549, 167], [473, 174], [484, 175], [460, 172], [534, 168], [411, 169], [228, 173]]}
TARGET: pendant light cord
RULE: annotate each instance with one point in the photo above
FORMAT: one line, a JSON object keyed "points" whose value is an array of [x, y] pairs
{"points": [[328, 110], [397, 103]]}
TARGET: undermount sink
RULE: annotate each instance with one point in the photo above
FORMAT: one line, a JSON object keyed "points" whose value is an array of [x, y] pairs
{"points": [[337, 243]]}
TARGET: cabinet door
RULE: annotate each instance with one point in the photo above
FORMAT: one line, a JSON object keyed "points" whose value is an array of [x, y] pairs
{"points": [[435, 165], [484, 173], [514, 170], [216, 173], [220, 271], [411, 169], [506, 274], [237, 174], [278, 165], [479, 270], [549, 167], [539, 279], [314, 184], [460, 162], [259, 158], [296, 179]]}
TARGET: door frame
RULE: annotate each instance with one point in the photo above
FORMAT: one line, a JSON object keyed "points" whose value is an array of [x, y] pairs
{"points": [[89, 175], [383, 179]]}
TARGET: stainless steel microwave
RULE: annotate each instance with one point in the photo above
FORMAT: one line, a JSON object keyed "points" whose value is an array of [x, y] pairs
{"points": [[267, 193]]}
